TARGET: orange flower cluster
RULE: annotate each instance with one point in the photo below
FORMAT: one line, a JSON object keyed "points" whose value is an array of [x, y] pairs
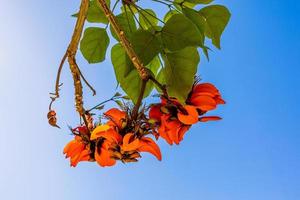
{"points": [[123, 138], [174, 119], [113, 141]]}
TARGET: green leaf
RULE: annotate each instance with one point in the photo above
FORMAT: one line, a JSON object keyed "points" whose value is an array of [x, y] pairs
{"points": [[129, 8], [179, 72], [197, 19], [199, 1], [190, 3], [217, 18], [131, 84], [117, 94], [146, 45], [169, 14], [147, 18], [94, 44], [100, 107], [127, 24], [179, 32], [95, 13]]}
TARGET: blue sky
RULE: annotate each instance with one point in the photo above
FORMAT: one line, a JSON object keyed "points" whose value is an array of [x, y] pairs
{"points": [[253, 153]]}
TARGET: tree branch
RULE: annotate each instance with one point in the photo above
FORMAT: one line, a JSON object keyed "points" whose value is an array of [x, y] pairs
{"points": [[71, 52], [142, 70]]}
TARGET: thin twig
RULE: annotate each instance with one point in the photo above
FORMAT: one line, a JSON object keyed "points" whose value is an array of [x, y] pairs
{"points": [[161, 87], [87, 83], [139, 101], [57, 84]]}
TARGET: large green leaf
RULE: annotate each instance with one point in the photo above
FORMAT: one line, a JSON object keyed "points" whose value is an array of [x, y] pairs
{"points": [[217, 18], [94, 44], [180, 32], [131, 84], [179, 72], [197, 19], [146, 45]]}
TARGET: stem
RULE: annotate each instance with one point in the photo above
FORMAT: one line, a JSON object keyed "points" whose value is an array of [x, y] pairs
{"points": [[162, 87], [87, 83], [71, 53], [135, 111], [57, 84], [143, 72], [100, 104]]}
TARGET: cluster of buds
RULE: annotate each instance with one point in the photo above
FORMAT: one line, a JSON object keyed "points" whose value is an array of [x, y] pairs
{"points": [[123, 138]]}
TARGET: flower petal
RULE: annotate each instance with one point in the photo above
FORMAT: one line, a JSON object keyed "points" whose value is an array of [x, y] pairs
{"points": [[182, 132], [191, 117], [116, 116], [155, 112], [162, 131], [206, 87], [103, 157], [211, 118], [205, 103], [129, 143], [148, 145], [106, 132]]}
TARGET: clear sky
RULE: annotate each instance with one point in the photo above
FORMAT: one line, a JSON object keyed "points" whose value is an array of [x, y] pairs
{"points": [[253, 153]]}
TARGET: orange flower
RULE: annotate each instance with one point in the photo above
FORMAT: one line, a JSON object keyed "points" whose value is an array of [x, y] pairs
{"points": [[188, 116], [107, 132], [144, 144], [117, 117], [113, 147], [148, 145], [130, 143], [172, 130], [205, 97], [110, 136], [103, 155], [174, 119], [77, 151]]}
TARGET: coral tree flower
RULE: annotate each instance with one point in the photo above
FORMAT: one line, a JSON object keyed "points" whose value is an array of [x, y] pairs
{"points": [[115, 144], [174, 119], [77, 151], [170, 128], [205, 97]]}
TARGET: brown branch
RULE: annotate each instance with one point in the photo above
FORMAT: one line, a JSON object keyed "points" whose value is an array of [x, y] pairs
{"points": [[71, 52], [142, 70], [57, 84]]}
